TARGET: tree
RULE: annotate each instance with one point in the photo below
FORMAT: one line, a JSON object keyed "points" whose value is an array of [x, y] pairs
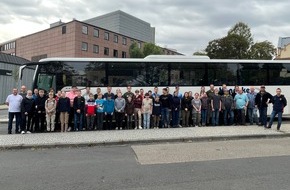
{"points": [[237, 44], [262, 50], [243, 30], [135, 51], [151, 49]]}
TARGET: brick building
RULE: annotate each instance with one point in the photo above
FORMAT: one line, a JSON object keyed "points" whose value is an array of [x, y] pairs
{"points": [[75, 39]]}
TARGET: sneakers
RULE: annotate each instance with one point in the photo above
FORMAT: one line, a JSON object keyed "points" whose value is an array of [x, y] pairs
{"points": [[140, 127], [22, 132], [28, 132]]}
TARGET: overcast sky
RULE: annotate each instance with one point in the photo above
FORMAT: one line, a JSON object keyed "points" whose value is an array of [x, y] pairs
{"points": [[185, 25]]}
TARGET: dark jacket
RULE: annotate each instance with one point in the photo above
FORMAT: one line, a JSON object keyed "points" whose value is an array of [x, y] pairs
{"points": [[166, 100], [279, 102], [63, 105], [129, 108], [40, 103], [227, 102], [175, 103], [261, 100], [79, 103], [27, 105], [156, 108], [205, 102], [185, 103]]}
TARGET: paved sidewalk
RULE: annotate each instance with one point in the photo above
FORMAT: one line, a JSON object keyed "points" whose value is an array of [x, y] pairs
{"points": [[90, 138]]}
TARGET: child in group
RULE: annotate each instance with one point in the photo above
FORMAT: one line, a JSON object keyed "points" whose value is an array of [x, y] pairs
{"points": [[27, 111], [40, 111], [90, 111], [204, 108], [216, 105], [129, 112], [176, 105], [63, 107], [79, 108], [50, 107], [147, 110], [100, 111], [156, 112], [120, 104], [109, 106], [196, 110]]}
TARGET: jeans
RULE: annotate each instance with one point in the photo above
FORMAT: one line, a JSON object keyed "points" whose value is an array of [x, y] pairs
{"points": [[253, 117], [241, 117], [146, 121], [156, 120], [100, 120], [175, 118], [228, 116], [119, 119], [109, 118], [203, 116], [78, 121], [90, 122], [18, 120], [26, 122], [215, 117], [273, 115], [165, 117], [129, 121], [263, 116]]}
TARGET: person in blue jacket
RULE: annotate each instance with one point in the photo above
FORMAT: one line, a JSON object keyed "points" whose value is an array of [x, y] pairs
{"points": [[109, 107]]}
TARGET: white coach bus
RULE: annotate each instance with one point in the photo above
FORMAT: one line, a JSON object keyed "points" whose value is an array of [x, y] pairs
{"points": [[189, 73]]}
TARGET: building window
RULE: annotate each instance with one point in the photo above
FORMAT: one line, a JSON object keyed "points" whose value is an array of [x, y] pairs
{"points": [[115, 53], [124, 54], [107, 36], [63, 29], [116, 38], [84, 46], [95, 49], [106, 51], [139, 45], [85, 30], [124, 41], [96, 33]]}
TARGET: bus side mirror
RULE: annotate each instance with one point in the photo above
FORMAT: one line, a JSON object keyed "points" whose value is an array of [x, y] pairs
{"points": [[20, 74]]}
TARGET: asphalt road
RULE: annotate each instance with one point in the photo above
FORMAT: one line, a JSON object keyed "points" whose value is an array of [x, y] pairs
{"points": [[261, 164]]}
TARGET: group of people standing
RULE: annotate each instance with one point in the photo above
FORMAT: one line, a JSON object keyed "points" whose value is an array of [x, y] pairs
{"points": [[74, 111]]}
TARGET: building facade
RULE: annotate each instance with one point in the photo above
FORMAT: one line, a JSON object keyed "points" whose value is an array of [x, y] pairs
{"points": [[283, 51], [9, 67], [79, 39], [125, 24]]}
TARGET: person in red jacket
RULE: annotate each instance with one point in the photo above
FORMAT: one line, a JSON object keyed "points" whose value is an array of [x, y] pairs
{"points": [[90, 112]]}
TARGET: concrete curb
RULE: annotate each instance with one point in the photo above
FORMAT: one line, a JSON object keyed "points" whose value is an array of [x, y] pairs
{"points": [[143, 141]]}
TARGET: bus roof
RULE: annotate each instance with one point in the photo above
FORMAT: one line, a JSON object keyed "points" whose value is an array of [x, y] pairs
{"points": [[161, 59]]}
